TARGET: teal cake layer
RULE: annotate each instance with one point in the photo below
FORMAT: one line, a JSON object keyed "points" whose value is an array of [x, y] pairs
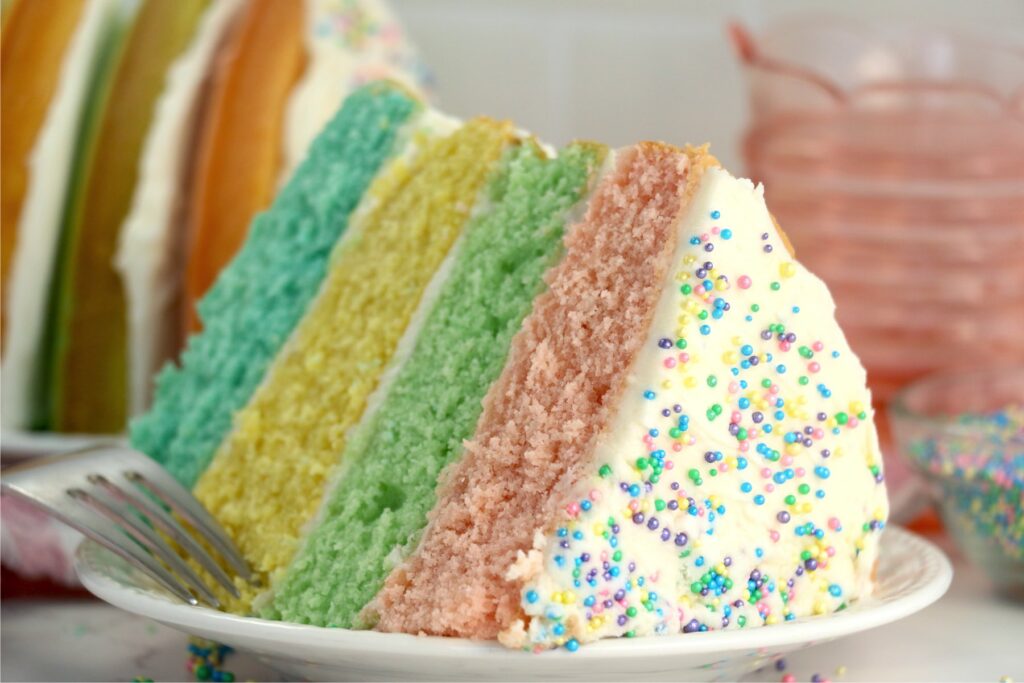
{"points": [[393, 459], [259, 298]]}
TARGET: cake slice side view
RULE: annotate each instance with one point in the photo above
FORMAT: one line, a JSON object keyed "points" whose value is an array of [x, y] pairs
{"points": [[459, 384]]}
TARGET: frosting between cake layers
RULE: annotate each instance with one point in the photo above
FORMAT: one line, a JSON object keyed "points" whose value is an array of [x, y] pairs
{"points": [[401, 354], [431, 120], [428, 122], [739, 483]]}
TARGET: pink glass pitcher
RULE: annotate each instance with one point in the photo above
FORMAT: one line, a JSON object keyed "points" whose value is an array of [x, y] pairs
{"points": [[894, 159]]}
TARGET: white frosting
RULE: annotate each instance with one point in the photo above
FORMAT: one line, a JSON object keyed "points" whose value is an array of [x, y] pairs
{"points": [[725, 521], [148, 256], [39, 226], [348, 43]]}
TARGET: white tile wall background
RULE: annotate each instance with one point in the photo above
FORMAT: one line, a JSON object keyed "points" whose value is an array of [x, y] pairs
{"points": [[624, 70]]}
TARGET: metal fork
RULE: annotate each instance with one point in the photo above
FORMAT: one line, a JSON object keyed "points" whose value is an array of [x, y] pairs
{"points": [[121, 499]]}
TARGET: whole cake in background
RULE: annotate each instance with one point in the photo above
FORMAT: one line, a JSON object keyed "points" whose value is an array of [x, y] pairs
{"points": [[459, 383], [139, 140]]}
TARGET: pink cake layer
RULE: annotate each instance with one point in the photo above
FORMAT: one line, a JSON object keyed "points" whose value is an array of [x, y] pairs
{"points": [[565, 375]]}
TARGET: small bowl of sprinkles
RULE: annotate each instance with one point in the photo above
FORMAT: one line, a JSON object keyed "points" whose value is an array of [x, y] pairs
{"points": [[964, 431]]}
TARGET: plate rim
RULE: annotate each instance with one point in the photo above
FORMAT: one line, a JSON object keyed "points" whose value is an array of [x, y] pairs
{"points": [[930, 585]]}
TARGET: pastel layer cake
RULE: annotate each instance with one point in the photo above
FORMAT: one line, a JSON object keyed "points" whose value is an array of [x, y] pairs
{"points": [[263, 296], [457, 383]]}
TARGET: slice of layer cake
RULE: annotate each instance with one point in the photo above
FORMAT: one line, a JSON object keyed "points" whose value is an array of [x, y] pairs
{"points": [[267, 478], [681, 439], [406, 423], [38, 161], [431, 401]]}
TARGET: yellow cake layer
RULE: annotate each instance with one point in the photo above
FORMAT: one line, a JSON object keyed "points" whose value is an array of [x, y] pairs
{"points": [[268, 477]]}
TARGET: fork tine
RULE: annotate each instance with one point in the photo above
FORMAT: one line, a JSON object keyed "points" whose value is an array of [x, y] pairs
{"points": [[125, 516], [110, 537], [169, 525], [168, 490], [133, 525]]}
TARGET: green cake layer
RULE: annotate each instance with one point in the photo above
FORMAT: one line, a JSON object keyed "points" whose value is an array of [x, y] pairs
{"points": [[261, 296], [393, 459]]}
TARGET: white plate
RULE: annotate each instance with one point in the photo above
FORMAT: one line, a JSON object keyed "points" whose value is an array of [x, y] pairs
{"points": [[912, 574], [19, 444]]}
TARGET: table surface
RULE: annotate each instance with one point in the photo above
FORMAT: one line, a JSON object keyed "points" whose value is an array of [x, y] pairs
{"points": [[969, 635]]}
